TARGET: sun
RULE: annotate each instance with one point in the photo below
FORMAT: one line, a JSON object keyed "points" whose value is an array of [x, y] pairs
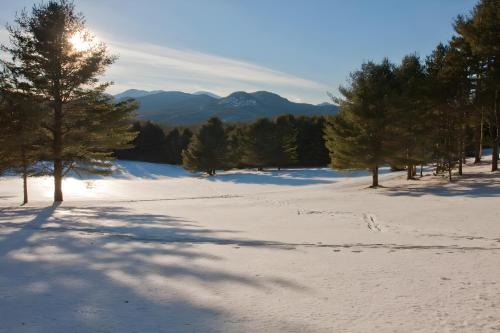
{"points": [[81, 41]]}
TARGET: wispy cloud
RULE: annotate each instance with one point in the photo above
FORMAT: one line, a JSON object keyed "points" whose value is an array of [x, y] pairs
{"points": [[149, 66], [158, 67]]}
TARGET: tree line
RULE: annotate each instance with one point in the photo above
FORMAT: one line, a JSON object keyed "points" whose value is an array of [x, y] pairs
{"points": [[285, 141], [419, 112], [155, 144]]}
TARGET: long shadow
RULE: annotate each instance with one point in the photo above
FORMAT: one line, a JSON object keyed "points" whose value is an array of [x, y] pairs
{"points": [[25, 229], [147, 170], [477, 185], [287, 177], [124, 169], [91, 269]]}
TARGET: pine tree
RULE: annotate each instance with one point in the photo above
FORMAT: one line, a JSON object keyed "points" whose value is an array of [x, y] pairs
{"points": [[207, 149], [20, 135], [311, 149], [176, 142], [481, 30], [185, 140], [235, 146], [149, 145], [408, 116], [260, 144], [286, 136], [446, 113], [459, 73], [359, 137], [83, 122], [131, 152], [173, 146]]}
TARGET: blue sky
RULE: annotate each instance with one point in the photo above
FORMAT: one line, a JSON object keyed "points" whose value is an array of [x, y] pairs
{"points": [[297, 48]]}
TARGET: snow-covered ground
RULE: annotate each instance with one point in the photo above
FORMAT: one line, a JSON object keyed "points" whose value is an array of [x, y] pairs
{"points": [[154, 249]]}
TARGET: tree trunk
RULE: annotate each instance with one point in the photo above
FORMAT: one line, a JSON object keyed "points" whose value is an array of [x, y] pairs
{"points": [[479, 134], [461, 158], [409, 172], [449, 170], [58, 196], [494, 157], [496, 134], [375, 177], [25, 184], [421, 170], [57, 150]]}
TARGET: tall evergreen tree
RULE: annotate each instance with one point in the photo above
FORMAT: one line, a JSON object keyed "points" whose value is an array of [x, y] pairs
{"points": [[458, 68], [173, 146], [177, 141], [235, 146], [446, 114], [409, 111], [149, 145], [261, 144], [359, 136], [60, 62], [21, 134], [286, 136], [481, 30], [207, 149], [311, 149]]}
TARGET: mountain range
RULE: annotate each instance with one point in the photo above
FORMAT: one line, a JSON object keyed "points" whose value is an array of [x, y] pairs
{"points": [[179, 108]]}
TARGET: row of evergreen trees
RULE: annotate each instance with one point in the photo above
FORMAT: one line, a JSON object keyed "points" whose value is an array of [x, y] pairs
{"points": [[283, 142], [53, 108], [52, 105], [154, 144], [418, 112]]}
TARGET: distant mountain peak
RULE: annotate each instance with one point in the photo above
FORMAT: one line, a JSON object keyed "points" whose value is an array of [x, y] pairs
{"points": [[238, 99], [208, 93], [265, 93], [136, 93], [180, 108]]}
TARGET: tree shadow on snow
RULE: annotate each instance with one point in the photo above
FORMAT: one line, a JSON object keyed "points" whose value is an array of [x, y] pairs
{"points": [[135, 169], [287, 177], [107, 269], [475, 185]]}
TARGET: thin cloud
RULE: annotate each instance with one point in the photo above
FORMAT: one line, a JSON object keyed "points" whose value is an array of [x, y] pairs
{"points": [[205, 65], [149, 66], [159, 67]]}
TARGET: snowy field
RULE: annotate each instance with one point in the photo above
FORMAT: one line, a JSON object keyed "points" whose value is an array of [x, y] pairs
{"points": [[154, 249]]}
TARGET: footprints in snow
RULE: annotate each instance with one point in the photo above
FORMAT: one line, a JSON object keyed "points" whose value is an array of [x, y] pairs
{"points": [[322, 212], [371, 223], [369, 219]]}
